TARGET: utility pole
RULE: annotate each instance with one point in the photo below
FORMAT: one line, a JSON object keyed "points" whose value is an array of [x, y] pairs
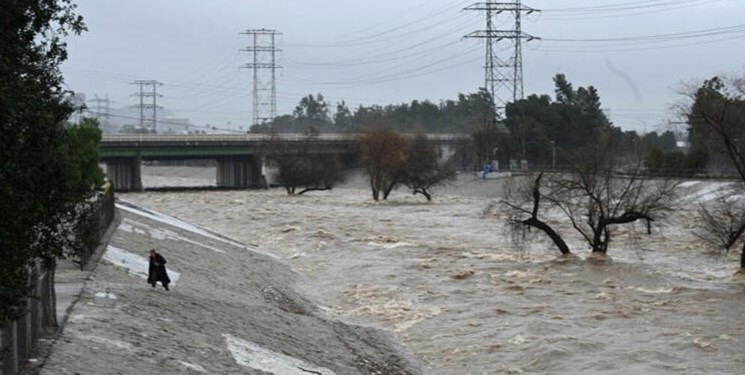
{"points": [[503, 75], [152, 93], [263, 52]]}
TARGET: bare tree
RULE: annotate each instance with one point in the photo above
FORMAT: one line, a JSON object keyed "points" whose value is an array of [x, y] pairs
{"points": [[303, 167], [423, 170], [722, 223], [527, 202], [383, 154], [595, 196]]}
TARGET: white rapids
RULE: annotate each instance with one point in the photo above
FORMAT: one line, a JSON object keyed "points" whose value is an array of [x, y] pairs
{"points": [[452, 284]]}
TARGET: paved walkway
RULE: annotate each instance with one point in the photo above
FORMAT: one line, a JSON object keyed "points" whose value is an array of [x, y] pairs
{"points": [[68, 284], [69, 279]]}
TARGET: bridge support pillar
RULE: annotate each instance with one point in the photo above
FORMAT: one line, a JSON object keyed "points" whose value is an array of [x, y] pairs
{"points": [[240, 172], [124, 174]]}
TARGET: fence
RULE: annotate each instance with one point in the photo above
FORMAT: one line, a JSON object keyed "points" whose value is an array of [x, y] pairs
{"points": [[98, 222], [18, 338]]}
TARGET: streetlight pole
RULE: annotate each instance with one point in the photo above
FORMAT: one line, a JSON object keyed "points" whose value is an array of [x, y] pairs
{"points": [[553, 155]]}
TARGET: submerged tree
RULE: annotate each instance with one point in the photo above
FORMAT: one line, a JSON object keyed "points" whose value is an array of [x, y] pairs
{"points": [[595, 196], [722, 223], [302, 166], [423, 169], [383, 153], [598, 195], [525, 211]]}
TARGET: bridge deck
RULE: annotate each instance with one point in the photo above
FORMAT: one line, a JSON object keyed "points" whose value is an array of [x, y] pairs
{"points": [[204, 146]]}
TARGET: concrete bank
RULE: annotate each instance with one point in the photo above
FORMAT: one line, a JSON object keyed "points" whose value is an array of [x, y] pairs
{"points": [[231, 310]]}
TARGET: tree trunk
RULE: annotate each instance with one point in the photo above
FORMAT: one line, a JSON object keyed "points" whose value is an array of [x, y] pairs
{"points": [[550, 232], [425, 193], [742, 258], [375, 190], [49, 313], [388, 190], [599, 245], [537, 223], [313, 189]]}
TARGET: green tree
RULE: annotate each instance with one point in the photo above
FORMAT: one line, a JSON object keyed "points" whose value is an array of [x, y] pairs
{"points": [[34, 190], [563, 89], [716, 123], [312, 111], [82, 155], [343, 120], [571, 121]]}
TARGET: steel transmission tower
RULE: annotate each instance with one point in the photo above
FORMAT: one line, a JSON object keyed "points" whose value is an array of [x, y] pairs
{"points": [[503, 75], [264, 55], [151, 93], [104, 112]]}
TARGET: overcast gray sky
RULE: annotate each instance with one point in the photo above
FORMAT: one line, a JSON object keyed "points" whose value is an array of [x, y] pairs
{"points": [[394, 51]]}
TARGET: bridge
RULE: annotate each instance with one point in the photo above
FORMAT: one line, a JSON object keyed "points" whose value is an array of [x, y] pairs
{"points": [[238, 156]]}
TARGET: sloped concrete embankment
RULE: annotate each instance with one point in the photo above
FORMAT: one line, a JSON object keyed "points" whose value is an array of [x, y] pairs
{"points": [[231, 310]]}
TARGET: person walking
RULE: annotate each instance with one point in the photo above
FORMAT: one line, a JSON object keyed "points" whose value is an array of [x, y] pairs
{"points": [[157, 270]]}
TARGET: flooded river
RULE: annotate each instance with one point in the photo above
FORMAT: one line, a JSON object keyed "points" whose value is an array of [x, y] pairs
{"points": [[449, 278]]}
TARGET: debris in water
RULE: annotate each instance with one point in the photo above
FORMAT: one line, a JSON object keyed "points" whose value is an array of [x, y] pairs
{"points": [[104, 299], [701, 343], [462, 275]]}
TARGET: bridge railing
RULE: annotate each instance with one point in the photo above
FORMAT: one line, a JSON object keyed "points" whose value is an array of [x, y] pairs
{"points": [[250, 137]]}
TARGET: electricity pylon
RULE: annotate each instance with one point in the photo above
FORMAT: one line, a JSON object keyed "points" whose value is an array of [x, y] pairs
{"points": [[264, 56], [153, 93], [503, 75], [104, 112]]}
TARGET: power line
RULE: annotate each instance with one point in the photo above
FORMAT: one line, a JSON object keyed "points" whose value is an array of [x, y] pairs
{"points": [[374, 38], [658, 37], [634, 5], [420, 70], [410, 50], [649, 42], [563, 17]]}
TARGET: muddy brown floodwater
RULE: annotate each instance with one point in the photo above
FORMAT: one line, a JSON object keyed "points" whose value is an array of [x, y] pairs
{"points": [[452, 284]]}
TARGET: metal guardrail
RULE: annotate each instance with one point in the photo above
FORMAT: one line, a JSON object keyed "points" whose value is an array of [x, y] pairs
{"points": [[251, 137]]}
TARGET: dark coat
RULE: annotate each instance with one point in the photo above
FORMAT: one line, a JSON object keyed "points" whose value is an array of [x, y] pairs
{"points": [[157, 270]]}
